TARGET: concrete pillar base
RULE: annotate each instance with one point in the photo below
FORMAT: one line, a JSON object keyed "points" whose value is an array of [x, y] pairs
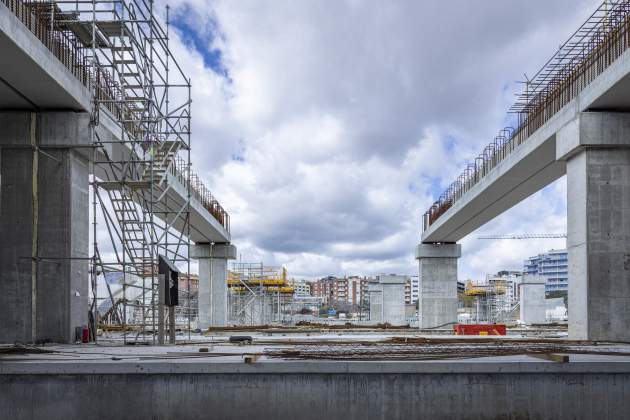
{"points": [[438, 284], [212, 296]]}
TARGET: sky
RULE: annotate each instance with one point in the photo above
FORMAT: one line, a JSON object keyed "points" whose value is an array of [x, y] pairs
{"points": [[327, 128]]}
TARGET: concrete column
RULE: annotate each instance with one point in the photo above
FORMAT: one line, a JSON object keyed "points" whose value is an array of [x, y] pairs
{"points": [[596, 147], [212, 298], [438, 283], [532, 300], [375, 291], [393, 296], [54, 182]]}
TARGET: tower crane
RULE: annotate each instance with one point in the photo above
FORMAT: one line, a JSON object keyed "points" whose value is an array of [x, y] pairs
{"points": [[527, 236]]}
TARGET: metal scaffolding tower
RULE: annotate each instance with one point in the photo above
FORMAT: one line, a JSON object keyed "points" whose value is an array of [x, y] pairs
{"points": [[259, 295], [119, 50]]}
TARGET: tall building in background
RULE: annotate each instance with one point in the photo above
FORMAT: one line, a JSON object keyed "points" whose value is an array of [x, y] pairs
{"points": [[412, 289], [553, 267], [324, 288], [344, 290]]}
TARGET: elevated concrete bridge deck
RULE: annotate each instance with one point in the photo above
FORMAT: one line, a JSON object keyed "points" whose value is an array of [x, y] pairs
{"points": [[534, 164], [32, 78]]}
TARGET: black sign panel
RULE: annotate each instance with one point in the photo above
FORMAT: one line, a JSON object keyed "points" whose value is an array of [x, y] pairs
{"points": [[171, 281]]}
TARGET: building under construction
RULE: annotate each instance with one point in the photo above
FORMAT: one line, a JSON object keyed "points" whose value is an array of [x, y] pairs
{"points": [[493, 301], [259, 294]]}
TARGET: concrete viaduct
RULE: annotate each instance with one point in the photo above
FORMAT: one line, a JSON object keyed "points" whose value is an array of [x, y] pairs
{"points": [[44, 107], [588, 139]]}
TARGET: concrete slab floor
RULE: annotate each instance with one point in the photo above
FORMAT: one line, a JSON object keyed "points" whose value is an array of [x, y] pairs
{"points": [[111, 381]]}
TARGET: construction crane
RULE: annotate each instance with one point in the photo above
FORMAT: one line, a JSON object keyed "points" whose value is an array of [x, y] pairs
{"points": [[527, 236]]}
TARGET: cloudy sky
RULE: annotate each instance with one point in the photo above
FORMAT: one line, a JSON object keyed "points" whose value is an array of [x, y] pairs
{"points": [[326, 128]]}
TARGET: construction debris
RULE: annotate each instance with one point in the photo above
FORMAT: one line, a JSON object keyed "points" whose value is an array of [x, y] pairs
{"points": [[434, 349]]}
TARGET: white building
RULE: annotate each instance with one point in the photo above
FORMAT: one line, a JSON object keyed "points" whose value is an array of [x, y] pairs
{"points": [[302, 288], [415, 288], [507, 281]]}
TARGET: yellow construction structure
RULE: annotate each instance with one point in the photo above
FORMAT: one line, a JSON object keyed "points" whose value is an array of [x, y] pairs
{"points": [[494, 288], [259, 294], [273, 279]]}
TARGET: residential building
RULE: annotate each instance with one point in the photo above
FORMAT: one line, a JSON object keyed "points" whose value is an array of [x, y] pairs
{"points": [[412, 289], [349, 289], [553, 267], [302, 288], [324, 288], [415, 288]]}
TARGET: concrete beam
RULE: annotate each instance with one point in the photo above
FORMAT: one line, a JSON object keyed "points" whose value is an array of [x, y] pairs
{"points": [[36, 79], [438, 251], [212, 298], [593, 130]]}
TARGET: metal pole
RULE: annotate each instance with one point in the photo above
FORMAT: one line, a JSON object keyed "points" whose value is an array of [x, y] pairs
{"points": [[171, 324], [161, 286]]}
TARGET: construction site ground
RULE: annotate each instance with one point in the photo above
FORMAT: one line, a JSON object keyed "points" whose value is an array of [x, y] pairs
{"points": [[286, 374], [288, 347]]}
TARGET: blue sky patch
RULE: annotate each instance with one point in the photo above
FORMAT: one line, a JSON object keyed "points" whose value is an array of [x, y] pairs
{"points": [[200, 39]]}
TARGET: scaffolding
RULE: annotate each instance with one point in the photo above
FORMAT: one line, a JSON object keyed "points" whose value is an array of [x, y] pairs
{"points": [[259, 295], [119, 50], [490, 302]]}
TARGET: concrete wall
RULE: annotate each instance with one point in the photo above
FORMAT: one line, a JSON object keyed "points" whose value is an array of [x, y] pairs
{"points": [[376, 302], [532, 300], [62, 229], [325, 391], [393, 299]]}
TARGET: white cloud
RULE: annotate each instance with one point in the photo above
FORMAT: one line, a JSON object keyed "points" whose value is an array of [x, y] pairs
{"points": [[346, 118]]}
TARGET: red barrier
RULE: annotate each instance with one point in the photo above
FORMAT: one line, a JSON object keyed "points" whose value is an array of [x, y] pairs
{"points": [[479, 329]]}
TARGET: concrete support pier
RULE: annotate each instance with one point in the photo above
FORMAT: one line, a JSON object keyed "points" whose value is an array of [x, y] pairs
{"points": [[532, 299], [596, 147], [438, 284], [44, 175], [213, 260], [387, 300]]}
